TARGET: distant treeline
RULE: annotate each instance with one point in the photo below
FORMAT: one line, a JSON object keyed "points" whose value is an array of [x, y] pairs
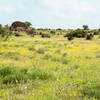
{"points": [[18, 27]]}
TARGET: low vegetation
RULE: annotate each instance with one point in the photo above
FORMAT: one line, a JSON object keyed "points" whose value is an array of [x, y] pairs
{"points": [[62, 65]]}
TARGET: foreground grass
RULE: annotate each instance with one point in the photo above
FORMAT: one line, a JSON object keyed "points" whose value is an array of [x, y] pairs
{"points": [[49, 69]]}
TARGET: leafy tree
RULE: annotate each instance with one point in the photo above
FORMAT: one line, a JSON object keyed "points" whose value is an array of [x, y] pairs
{"points": [[58, 29], [0, 26], [85, 27], [4, 33], [28, 24], [18, 24]]}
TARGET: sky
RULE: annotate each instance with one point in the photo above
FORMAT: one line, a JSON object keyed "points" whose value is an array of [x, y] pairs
{"points": [[66, 14]]}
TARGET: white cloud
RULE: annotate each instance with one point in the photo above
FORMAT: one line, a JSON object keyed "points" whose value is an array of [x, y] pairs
{"points": [[63, 8]]}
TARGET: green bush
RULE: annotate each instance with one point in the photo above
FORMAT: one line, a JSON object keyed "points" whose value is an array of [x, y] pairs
{"points": [[70, 38], [18, 78], [96, 33], [4, 33], [10, 74], [77, 33], [5, 71], [89, 37]]}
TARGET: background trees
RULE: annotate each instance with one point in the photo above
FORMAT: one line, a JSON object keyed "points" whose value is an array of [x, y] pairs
{"points": [[28, 23], [20, 26], [85, 27], [4, 33], [77, 33]]}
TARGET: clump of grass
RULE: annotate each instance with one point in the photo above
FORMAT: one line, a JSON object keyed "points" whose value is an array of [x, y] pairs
{"points": [[64, 54], [91, 91], [18, 91], [4, 71], [97, 56], [40, 50], [64, 60], [1, 53], [42, 75], [47, 56], [14, 75], [31, 48], [10, 74], [16, 58], [68, 91], [9, 54], [55, 59], [58, 51]]}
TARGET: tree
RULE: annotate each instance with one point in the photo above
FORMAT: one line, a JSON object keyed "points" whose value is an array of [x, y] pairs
{"points": [[28, 24], [7, 26], [85, 27], [0, 26], [4, 33], [18, 24]]}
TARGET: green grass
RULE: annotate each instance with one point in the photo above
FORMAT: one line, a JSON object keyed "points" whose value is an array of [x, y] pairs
{"points": [[35, 68], [13, 75]]}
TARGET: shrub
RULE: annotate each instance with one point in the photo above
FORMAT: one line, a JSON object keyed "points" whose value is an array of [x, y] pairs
{"points": [[16, 78], [40, 33], [70, 38], [10, 74], [4, 33], [5, 71], [89, 37], [65, 35], [45, 36], [31, 32], [52, 32], [40, 50], [96, 33], [76, 33]]}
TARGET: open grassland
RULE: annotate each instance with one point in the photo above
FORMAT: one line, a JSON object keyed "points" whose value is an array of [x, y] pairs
{"points": [[35, 68]]}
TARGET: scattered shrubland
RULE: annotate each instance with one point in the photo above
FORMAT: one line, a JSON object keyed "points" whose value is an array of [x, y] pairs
{"points": [[49, 64]]}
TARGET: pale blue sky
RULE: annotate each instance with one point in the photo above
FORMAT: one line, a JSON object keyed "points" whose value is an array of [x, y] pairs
{"points": [[51, 13]]}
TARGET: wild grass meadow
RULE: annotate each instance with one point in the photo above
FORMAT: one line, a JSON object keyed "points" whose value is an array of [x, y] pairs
{"points": [[35, 68]]}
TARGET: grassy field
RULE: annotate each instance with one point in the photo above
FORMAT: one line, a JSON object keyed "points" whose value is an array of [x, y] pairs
{"points": [[35, 68]]}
